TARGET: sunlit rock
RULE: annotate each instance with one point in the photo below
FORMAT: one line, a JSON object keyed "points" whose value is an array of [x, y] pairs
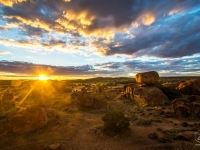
{"points": [[148, 78], [149, 96], [190, 87], [145, 95]]}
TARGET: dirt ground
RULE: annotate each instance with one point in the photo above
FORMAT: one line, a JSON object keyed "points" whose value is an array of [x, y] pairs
{"points": [[78, 129]]}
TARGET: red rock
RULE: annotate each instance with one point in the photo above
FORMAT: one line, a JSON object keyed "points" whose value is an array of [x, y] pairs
{"points": [[148, 78], [190, 87]]}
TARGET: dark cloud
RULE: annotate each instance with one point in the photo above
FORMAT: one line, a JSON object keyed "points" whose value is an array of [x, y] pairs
{"points": [[32, 31], [164, 67], [35, 69], [89, 15], [177, 67], [172, 37], [3, 28], [164, 29]]}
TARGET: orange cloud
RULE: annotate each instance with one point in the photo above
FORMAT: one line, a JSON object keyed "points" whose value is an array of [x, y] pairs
{"points": [[148, 18], [10, 2]]}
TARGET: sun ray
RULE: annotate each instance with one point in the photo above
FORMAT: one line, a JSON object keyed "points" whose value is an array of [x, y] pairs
{"points": [[43, 77]]}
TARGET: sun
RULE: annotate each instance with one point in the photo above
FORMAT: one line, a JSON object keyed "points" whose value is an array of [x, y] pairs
{"points": [[43, 77]]}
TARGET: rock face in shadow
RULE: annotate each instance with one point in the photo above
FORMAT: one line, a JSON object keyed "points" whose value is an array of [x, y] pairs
{"points": [[190, 87], [187, 108], [26, 120], [149, 78]]}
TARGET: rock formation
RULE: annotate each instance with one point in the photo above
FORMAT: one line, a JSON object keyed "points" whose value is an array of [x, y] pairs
{"points": [[144, 92], [190, 87], [148, 78], [187, 108]]}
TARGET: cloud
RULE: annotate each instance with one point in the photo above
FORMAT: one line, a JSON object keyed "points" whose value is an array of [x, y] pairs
{"points": [[88, 17], [115, 27], [4, 52], [3, 28], [36, 69], [148, 19], [176, 36], [165, 67], [10, 2], [35, 45]]}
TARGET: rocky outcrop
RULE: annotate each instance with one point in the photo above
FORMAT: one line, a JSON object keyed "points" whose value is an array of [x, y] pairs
{"points": [[144, 92], [190, 87], [149, 96], [148, 78], [145, 95], [26, 120], [187, 108]]}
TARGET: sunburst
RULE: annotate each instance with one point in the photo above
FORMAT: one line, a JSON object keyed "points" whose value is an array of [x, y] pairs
{"points": [[43, 77]]}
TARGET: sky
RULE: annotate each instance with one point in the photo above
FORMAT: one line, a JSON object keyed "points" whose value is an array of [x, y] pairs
{"points": [[99, 38]]}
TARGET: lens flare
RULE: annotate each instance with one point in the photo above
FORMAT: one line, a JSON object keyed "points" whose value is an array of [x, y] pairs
{"points": [[43, 77]]}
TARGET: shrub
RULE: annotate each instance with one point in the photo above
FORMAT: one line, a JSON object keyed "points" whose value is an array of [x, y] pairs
{"points": [[171, 92], [115, 122]]}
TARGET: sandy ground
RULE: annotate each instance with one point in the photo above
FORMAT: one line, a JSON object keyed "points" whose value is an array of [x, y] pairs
{"points": [[77, 129]]}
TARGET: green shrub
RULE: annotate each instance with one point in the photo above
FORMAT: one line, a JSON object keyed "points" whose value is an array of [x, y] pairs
{"points": [[115, 122], [171, 92]]}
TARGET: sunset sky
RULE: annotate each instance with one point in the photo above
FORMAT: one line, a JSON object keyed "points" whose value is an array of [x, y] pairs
{"points": [[92, 38]]}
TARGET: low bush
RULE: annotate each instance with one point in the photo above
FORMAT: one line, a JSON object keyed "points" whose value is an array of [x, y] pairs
{"points": [[115, 122]]}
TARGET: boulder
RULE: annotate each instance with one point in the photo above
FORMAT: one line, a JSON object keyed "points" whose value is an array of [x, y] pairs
{"points": [[149, 96], [186, 108], [26, 120], [190, 87], [148, 78]]}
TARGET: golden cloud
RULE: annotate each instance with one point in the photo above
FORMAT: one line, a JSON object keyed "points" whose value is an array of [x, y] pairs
{"points": [[174, 11], [10, 3], [148, 18]]}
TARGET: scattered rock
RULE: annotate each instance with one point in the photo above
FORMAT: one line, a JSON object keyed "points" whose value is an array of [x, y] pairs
{"points": [[190, 87], [26, 120], [153, 135], [55, 146], [148, 78], [169, 114], [184, 124], [184, 108]]}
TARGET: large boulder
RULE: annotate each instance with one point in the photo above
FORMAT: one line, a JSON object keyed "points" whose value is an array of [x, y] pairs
{"points": [[181, 108], [148, 78], [149, 96], [187, 108], [26, 120], [190, 87]]}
